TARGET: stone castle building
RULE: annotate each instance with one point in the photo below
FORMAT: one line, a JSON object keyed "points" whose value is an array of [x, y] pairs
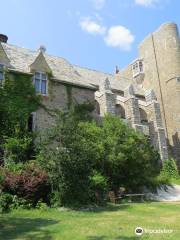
{"points": [[146, 94]]}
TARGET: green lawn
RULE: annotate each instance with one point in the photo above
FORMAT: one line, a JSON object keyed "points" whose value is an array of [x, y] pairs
{"points": [[175, 181], [111, 223]]}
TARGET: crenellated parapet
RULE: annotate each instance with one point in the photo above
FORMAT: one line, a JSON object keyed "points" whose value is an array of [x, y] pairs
{"points": [[106, 98], [132, 106]]}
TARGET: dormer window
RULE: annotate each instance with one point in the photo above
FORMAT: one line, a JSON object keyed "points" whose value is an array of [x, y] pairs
{"points": [[1, 74], [137, 68], [40, 82]]}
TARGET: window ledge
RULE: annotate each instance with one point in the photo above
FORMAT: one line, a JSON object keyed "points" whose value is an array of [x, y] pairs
{"points": [[138, 74]]}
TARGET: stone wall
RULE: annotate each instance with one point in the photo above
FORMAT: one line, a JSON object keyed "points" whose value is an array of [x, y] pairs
{"points": [[161, 54], [59, 97]]}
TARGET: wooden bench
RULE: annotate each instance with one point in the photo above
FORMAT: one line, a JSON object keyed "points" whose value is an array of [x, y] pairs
{"points": [[113, 198], [135, 195]]}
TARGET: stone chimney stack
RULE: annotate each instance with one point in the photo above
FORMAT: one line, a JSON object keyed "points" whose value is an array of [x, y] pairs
{"points": [[42, 49], [116, 70], [3, 38]]}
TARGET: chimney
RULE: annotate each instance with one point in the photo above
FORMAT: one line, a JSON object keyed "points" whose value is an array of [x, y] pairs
{"points": [[117, 70], [3, 38], [42, 49]]}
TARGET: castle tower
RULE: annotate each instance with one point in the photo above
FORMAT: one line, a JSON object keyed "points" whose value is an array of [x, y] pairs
{"points": [[160, 53]]}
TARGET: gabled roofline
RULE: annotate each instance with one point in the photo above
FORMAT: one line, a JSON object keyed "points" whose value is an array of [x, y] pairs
{"points": [[91, 87]]}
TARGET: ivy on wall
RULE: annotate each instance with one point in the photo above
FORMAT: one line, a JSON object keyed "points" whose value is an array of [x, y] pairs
{"points": [[18, 100]]}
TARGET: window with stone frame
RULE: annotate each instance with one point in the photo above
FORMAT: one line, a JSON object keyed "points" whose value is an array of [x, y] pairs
{"points": [[1, 74], [41, 82], [137, 68]]}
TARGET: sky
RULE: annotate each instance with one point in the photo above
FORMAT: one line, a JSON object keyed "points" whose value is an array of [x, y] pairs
{"points": [[96, 34]]}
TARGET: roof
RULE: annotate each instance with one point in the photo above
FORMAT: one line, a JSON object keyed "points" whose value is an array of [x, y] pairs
{"points": [[22, 58], [117, 82]]}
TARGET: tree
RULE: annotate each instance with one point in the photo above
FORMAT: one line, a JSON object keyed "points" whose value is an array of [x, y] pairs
{"points": [[68, 156], [129, 159], [78, 148]]}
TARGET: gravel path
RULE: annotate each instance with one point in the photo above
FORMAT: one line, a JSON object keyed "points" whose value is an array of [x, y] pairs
{"points": [[172, 194]]}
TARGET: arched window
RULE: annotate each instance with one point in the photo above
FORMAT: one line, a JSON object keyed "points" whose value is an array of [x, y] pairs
{"points": [[143, 116], [97, 108], [31, 122], [120, 111]]}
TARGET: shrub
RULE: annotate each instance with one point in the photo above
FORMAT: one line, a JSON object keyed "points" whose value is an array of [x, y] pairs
{"points": [[55, 199], [9, 202], [2, 176], [78, 150], [6, 201], [16, 149], [41, 205], [170, 169], [31, 184], [14, 167], [20, 203]]}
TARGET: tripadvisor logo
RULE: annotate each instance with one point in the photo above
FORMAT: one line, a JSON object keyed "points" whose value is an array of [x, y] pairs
{"points": [[139, 231]]}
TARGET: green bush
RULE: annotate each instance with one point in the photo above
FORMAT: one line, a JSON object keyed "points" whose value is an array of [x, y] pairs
{"points": [[14, 167], [55, 199], [16, 149], [20, 203], [80, 156], [9, 202], [99, 187], [41, 205], [1, 178], [170, 169], [6, 201]]}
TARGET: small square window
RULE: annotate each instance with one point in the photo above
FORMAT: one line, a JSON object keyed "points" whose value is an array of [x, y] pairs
{"points": [[178, 79]]}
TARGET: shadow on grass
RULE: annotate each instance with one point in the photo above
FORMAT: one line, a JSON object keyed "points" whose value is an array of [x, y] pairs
{"points": [[107, 238], [25, 228], [107, 208]]}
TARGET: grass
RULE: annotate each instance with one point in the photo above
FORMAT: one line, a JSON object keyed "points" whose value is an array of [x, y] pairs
{"points": [[175, 181], [115, 222]]}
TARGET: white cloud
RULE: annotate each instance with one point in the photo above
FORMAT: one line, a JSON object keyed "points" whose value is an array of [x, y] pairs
{"points": [[92, 27], [98, 4], [147, 3], [120, 37]]}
